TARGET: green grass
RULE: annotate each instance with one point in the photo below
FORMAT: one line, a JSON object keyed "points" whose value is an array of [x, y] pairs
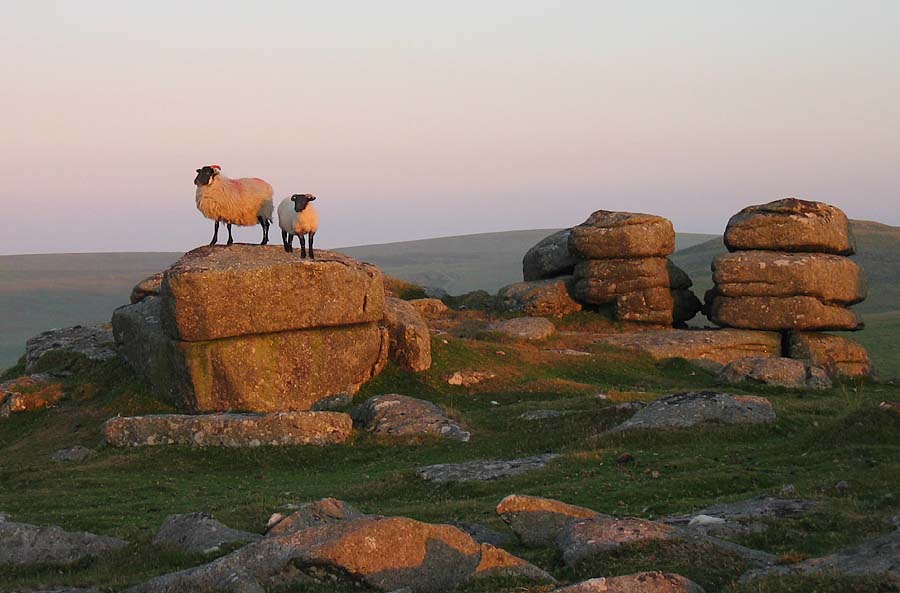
{"points": [[818, 440]]}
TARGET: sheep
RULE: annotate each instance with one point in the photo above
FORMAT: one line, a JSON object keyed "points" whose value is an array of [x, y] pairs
{"points": [[296, 216], [244, 202]]}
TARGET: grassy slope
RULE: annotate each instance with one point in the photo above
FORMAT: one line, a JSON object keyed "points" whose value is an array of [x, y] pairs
{"points": [[878, 246], [40, 292], [818, 440]]}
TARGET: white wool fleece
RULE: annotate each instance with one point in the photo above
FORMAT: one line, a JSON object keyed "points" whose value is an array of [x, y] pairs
{"points": [[235, 201], [297, 223]]}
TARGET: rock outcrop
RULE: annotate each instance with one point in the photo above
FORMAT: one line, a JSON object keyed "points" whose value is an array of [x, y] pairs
{"points": [[229, 430], [28, 393], [410, 338], [221, 337], [402, 416], [95, 342]]}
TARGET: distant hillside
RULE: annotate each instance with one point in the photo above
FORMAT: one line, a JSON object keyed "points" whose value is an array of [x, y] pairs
{"points": [[40, 292]]}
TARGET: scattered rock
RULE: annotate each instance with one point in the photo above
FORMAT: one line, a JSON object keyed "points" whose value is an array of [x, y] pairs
{"points": [[312, 514], [483, 471], [797, 313], [715, 346], [625, 458], [568, 352], [22, 544], [497, 563], [384, 553], [793, 225], [229, 430], [410, 338], [891, 406], [781, 372], [399, 415], [207, 294], [842, 487], [199, 532], [738, 518], [92, 341], [525, 328], [876, 556], [683, 410], [482, 534], [539, 521], [549, 298], [429, 307], [147, 287], [76, 453], [608, 235], [840, 356], [469, 378], [549, 258], [643, 582], [276, 372], [29, 393], [588, 537], [541, 415]]}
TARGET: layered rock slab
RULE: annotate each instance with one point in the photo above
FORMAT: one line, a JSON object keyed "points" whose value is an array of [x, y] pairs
{"points": [[790, 224], [797, 313], [229, 430], [284, 371], [840, 356], [220, 292], [609, 235]]}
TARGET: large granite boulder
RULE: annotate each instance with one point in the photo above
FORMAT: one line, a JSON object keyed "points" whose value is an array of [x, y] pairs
{"points": [[790, 224], [840, 356], [22, 544], [549, 258], [829, 278], [715, 348], [798, 313], [642, 582], [95, 342], [683, 410], [229, 430], [610, 235], [686, 305], [219, 292], [282, 371], [652, 306], [199, 533], [384, 553], [539, 521], [410, 338], [601, 281], [403, 416], [543, 298], [776, 371]]}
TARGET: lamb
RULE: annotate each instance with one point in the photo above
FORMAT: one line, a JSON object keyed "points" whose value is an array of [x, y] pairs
{"points": [[244, 202], [296, 216]]}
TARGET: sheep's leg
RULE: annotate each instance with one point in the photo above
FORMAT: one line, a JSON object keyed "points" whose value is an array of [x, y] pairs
{"points": [[289, 245], [284, 241], [302, 245], [312, 254], [230, 240], [265, 229], [215, 238]]}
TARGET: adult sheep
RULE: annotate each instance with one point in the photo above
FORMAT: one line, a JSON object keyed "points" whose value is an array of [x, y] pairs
{"points": [[244, 202], [296, 216]]}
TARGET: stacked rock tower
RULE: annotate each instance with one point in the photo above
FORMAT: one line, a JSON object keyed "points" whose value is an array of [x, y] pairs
{"points": [[623, 262], [787, 271]]}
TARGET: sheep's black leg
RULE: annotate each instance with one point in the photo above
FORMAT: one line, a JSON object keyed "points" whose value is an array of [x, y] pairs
{"points": [[215, 238], [284, 237], [312, 254], [302, 245], [265, 229], [230, 240], [289, 246]]}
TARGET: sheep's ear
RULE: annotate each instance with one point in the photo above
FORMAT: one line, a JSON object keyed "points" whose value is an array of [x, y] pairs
{"points": [[310, 198]]}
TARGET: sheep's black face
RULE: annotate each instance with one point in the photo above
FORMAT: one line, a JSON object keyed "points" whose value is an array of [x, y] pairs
{"points": [[204, 176], [301, 200]]}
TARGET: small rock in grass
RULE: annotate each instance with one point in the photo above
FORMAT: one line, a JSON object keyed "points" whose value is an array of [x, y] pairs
{"points": [[200, 533], [469, 378], [482, 471], [76, 453]]}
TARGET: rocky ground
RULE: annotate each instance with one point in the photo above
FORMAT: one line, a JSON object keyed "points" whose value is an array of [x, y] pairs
{"points": [[749, 488]]}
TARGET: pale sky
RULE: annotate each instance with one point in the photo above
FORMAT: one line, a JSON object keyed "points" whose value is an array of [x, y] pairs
{"points": [[414, 119]]}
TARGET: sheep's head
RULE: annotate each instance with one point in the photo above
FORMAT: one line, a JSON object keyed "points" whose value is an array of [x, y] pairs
{"points": [[206, 174], [301, 200]]}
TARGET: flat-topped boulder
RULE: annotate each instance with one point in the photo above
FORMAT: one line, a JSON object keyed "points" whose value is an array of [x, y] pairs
{"points": [[548, 298], [609, 235], [684, 410], [799, 313], [601, 281], [829, 278], [718, 347], [839, 356], [229, 430], [549, 258], [282, 371], [790, 224], [218, 292]]}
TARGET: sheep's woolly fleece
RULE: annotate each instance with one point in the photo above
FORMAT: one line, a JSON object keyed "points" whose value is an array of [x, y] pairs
{"points": [[297, 223], [235, 201]]}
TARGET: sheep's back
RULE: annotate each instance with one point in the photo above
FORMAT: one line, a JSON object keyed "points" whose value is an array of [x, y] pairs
{"points": [[236, 201]]}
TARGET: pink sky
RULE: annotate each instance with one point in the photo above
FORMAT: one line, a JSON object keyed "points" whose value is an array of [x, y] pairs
{"points": [[412, 121]]}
